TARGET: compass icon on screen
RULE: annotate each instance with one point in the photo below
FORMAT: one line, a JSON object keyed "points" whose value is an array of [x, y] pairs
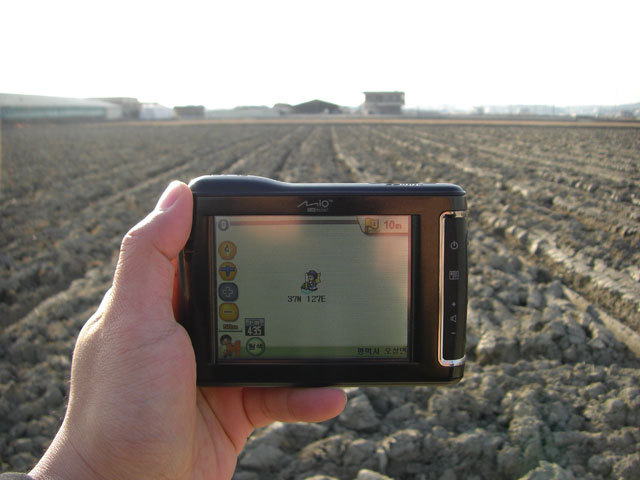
{"points": [[228, 292]]}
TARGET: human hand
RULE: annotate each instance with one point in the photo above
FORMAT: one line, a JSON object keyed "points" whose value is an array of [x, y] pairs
{"points": [[134, 409]]}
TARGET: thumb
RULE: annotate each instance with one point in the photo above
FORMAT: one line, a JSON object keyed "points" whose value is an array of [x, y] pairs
{"points": [[143, 281]]}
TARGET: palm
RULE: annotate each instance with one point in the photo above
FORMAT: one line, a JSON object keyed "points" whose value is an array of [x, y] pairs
{"points": [[202, 430], [214, 450]]}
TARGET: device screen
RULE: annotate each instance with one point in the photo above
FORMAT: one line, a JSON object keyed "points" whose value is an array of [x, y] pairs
{"points": [[312, 288]]}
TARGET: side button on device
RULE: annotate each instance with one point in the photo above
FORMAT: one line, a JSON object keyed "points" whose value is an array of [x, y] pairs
{"points": [[454, 287]]}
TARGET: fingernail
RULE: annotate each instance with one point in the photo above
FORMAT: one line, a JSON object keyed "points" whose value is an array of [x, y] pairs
{"points": [[169, 196]]}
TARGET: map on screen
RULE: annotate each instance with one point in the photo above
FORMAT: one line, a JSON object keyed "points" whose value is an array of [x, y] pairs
{"points": [[312, 287]]}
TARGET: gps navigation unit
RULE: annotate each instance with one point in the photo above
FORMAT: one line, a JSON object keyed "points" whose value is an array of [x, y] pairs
{"points": [[325, 284]]}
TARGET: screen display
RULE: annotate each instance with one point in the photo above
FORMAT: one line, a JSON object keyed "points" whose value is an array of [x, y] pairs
{"points": [[311, 287]]}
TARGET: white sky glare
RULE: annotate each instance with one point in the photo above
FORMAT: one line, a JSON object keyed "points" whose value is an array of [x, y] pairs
{"points": [[225, 54]]}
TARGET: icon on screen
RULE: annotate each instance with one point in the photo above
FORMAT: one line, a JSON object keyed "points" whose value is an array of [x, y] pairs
{"points": [[228, 312], [255, 346], [371, 225], [311, 281], [229, 347], [228, 292], [254, 327], [227, 250], [228, 271]]}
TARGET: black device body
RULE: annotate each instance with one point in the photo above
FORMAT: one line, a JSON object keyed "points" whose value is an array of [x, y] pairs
{"points": [[432, 219]]}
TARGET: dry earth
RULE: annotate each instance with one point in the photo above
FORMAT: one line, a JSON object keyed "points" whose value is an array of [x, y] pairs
{"points": [[552, 389]]}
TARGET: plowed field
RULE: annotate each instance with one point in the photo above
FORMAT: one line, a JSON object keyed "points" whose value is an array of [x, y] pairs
{"points": [[553, 384]]}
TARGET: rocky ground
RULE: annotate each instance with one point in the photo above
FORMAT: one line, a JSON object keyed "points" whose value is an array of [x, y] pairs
{"points": [[552, 388]]}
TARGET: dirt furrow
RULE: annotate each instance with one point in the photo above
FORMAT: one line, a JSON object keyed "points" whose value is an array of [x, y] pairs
{"points": [[550, 390], [268, 158], [615, 289], [93, 234], [621, 220], [354, 165], [566, 147], [554, 166], [315, 159]]}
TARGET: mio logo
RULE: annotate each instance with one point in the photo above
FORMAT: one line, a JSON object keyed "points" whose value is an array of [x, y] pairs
{"points": [[316, 205]]}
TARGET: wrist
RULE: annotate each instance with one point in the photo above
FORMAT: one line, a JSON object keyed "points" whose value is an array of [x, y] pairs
{"points": [[62, 461]]}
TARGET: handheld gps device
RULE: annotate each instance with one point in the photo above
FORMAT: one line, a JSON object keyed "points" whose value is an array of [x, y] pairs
{"points": [[325, 284]]}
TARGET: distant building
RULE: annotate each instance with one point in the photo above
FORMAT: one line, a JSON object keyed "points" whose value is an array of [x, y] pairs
{"points": [[245, 111], [190, 112], [19, 108], [283, 108], [130, 106], [315, 107], [383, 103], [155, 111]]}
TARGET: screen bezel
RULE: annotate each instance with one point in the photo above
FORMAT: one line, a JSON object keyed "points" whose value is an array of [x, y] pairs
{"points": [[413, 228], [422, 367]]}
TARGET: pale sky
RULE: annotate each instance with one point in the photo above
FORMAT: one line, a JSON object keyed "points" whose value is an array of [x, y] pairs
{"points": [[224, 54]]}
